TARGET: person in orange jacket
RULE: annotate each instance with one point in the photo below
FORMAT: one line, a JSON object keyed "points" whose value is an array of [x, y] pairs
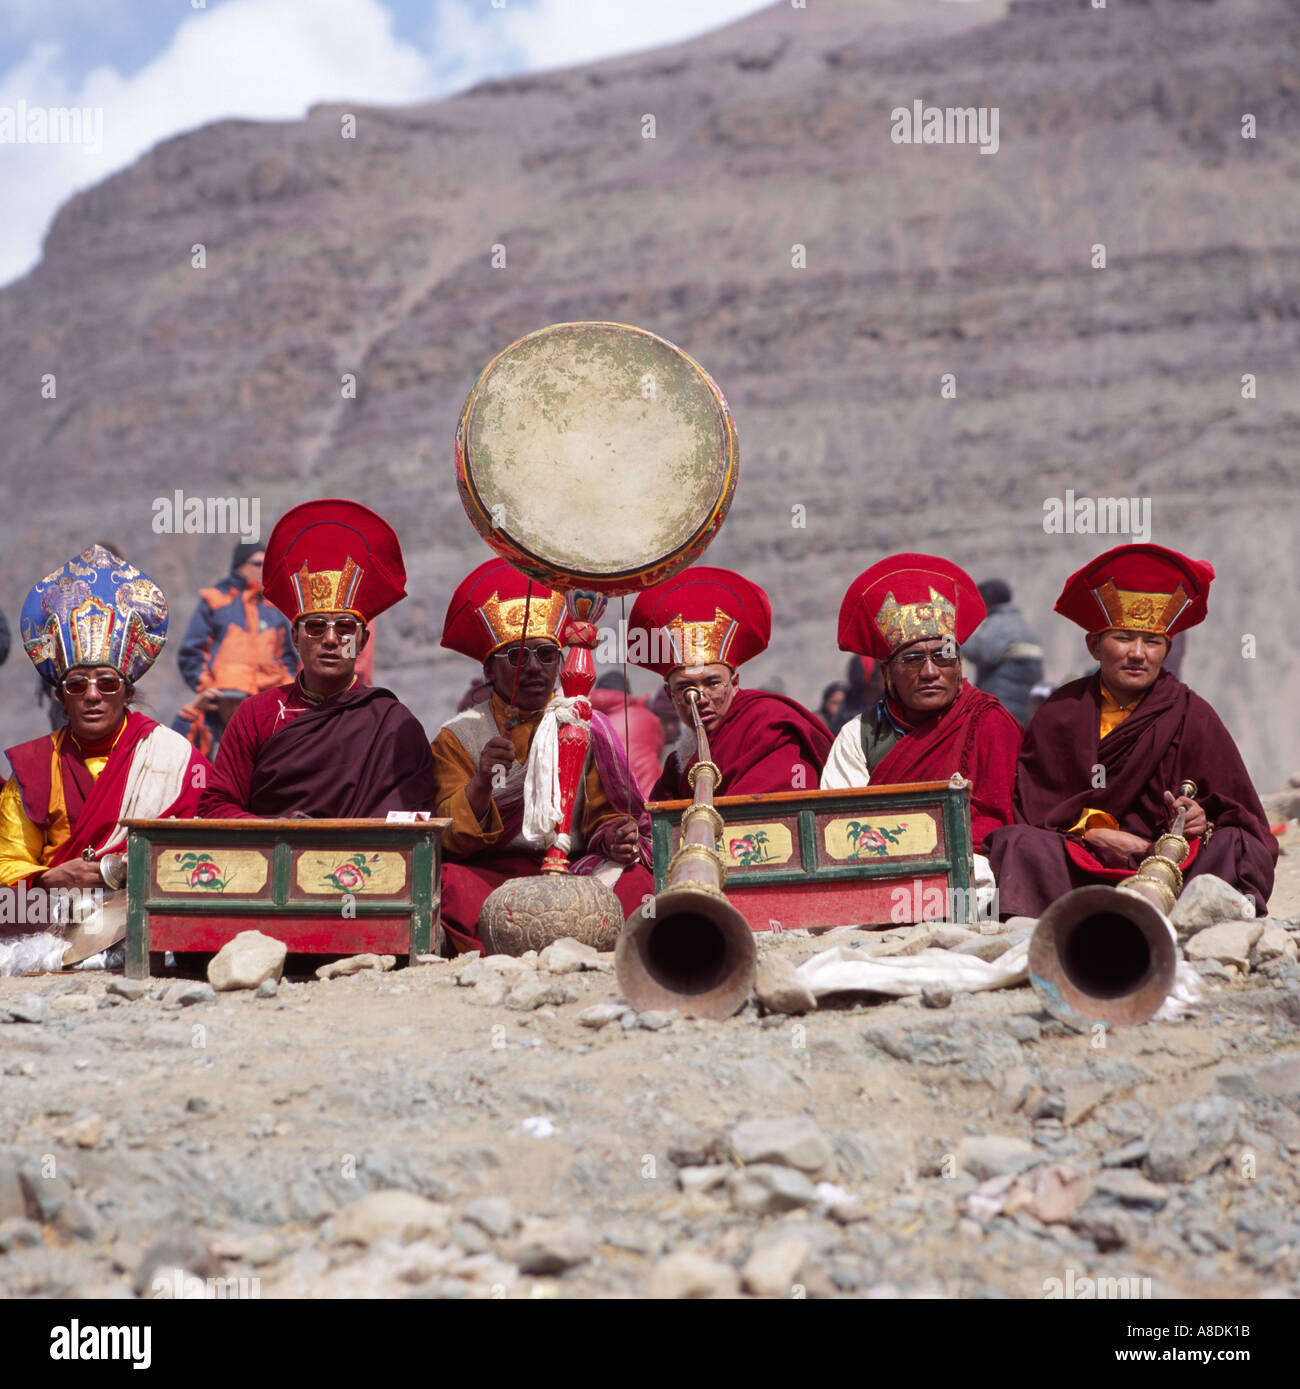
{"points": [[237, 644]]}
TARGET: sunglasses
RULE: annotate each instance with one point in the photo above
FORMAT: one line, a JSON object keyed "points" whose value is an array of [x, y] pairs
{"points": [[79, 684], [547, 655], [316, 627], [914, 660]]}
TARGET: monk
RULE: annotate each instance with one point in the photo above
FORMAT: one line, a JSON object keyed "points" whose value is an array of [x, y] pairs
{"points": [[92, 629], [911, 613], [489, 759], [695, 631], [326, 746], [1102, 763]]}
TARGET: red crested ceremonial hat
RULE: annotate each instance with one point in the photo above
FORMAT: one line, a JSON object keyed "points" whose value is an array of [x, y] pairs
{"points": [[907, 598], [486, 611], [1138, 588], [700, 617], [333, 556]]}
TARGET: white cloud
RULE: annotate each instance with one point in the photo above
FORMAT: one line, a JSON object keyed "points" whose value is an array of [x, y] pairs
{"points": [[272, 59]]}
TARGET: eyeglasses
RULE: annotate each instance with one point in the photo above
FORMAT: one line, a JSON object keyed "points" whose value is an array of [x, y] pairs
{"points": [[546, 655], [316, 627], [914, 660], [79, 684]]}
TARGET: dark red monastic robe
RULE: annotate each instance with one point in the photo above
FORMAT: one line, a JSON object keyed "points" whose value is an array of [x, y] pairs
{"points": [[764, 742], [1173, 735], [355, 755], [974, 735]]}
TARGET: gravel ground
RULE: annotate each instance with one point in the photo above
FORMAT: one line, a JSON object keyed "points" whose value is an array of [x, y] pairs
{"points": [[404, 1134]]}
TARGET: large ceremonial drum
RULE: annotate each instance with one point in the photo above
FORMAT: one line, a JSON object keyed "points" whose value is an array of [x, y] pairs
{"points": [[596, 456]]}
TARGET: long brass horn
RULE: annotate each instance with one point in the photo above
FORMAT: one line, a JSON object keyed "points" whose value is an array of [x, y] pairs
{"points": [[690, 949], [1108, 954]]}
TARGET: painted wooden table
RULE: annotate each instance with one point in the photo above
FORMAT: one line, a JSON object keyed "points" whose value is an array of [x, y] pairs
{"points": [[329, 887], [878, 856]]}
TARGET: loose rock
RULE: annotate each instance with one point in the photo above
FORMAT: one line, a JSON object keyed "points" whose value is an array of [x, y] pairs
{"points": [[794, 1142], [601, 1013], [185, 995], [1192, 1137], [27, 1008], [268, 988], [396, 1215], [491, 1214], [354, 964], [995, 1155], [553, 1247], [779, 988], [128, 988], [533, 991], [1207, 900], [765, 1189], [568, 956], [688, 1274], [247, 961], [1229, 942], [772, 1269]]}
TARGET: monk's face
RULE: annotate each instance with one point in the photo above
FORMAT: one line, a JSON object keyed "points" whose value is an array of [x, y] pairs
{"points": [[329, 644], [94, 713], [1130, 661], [541, 658], [717, 684], [924, 677]]}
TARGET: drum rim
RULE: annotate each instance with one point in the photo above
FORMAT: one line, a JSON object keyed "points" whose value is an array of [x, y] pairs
{"points": [[511, 548]]}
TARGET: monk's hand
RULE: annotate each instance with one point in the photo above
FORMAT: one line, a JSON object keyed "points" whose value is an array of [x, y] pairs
{"points": [[495, 761], [623, 842], [1120, 840], [1194, 825], [76, 872]]}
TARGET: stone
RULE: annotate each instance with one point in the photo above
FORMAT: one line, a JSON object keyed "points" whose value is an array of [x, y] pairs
{"points": [[1280, 1080], [73, 1003], [87, 1132], [1212, 969], [793, 1142], [1192, 1138], [698, 1180], [599, 1014], [491, 992], [1207, 900], [1109, 1227], [696, 1147], [1127, 1187], [354, 964], [655, 1020], [491, 1214], [911, 942], [480, 968], [27, 1008], [765, 1189], [1050, 1193], [686, 1273], [991, 947], [995, 1155], [772, 1269], [181, 1248], [247, 961], [569, 956], [936, 996], [268, 988], [186, 993], [470, 1239], [1127, 1155], [44, 1196], [129, 989], [1229, 942], [779, 988], [395, 1215], [553, 1247], [77, 1220], [1275, 943], [534, 991], [19, 1232]]}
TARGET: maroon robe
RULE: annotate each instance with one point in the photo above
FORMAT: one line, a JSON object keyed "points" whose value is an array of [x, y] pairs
{"points": [[764, 742], [1173, 735], [355, 755], [974, 735]]}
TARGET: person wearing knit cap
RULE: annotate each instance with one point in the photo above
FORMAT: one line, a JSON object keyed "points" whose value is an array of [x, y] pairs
{"points": [[912, 613], [237, 644], [1104, 757], [1005, 651], [696, 630], [326, 745], [489, 759], [92, 629]]}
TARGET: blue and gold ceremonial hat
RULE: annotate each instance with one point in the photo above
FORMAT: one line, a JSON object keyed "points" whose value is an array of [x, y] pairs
{"points": [[98, 610]]}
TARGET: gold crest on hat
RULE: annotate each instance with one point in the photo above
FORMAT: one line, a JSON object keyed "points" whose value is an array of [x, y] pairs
{"points": [[901, 623]]}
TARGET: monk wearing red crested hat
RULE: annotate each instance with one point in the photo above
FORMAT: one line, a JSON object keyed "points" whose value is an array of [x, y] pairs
{"points": [[327, 746], [1104, 757], [491, 760], [696, 630], [912, 613]]}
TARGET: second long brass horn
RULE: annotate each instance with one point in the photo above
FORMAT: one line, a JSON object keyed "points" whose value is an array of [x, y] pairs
{"points": [[689, 948], [1109, 954]]}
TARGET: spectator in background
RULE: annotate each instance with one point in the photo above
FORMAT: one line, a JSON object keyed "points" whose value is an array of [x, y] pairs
{"points": [[833, 697], [866, 684], [611, 697], [1008, 659], [237, 644]]}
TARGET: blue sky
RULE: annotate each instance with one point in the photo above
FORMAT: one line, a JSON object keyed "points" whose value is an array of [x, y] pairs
{"points": [[143, 70]]}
